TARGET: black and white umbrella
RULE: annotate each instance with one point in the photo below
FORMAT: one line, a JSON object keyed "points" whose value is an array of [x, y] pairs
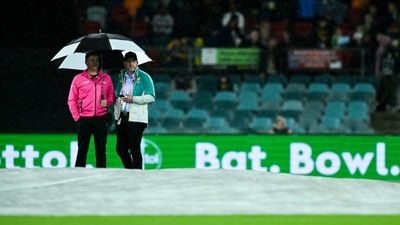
{"points": [[73, 54]]}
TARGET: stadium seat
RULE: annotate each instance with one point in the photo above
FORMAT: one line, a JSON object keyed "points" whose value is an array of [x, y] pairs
{"points": [[364, 92], [272, 92], [196, 119], [371, 79], [248, 101], [250, 87], [161, 77], [335, 110], [295, 91], [325, 79], [269, 109], [236, 80], [241, 120], [330, 125], [299, 78], [277, 79], [207, 82], [203, 100], [158, 129], [307, 121], [180, 100], [292, 108], [226, 99], [162, 90], [222, 112], [219, 125], [355, 106], [317, 92], [253, 78], [261, 125], [348, 79], [154, 117], [340, 92], [160, 104], [172, 119]]}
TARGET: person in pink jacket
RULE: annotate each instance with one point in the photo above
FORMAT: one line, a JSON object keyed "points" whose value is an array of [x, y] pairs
{"points": [[90, 95]]}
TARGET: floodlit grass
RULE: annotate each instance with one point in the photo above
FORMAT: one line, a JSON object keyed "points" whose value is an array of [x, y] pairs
{"points": [[203, 220]]}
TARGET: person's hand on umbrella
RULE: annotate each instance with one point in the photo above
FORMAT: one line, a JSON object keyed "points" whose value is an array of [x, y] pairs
{"points": [[127, 99]]}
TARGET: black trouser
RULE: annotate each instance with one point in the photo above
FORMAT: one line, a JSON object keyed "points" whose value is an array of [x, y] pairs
{"points": [[129, 136], [86, 127]]}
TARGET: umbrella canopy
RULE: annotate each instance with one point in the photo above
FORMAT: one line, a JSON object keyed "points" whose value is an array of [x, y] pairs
{"points": [[73, 54], [76, 61]]}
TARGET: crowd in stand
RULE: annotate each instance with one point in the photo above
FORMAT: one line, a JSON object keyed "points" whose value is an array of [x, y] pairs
{"points": [[270, 25], [265, 24]]}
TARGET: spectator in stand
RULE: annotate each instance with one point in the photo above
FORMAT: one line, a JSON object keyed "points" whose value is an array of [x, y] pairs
{"points": [[178, 51], [253, 39], [306, 8], [162, 22], [387, 71], [97, 13], [338, 40], [224, 83], [233, 12], [231, 35], [393, 13], [323, 32], [333, 10], [280, 126]]}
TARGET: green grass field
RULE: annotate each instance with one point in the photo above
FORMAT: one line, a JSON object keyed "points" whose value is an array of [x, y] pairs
{"points": [[206, 220]]}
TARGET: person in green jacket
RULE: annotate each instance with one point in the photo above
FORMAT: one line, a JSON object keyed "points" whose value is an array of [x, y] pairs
{"points": [[134, 91]]}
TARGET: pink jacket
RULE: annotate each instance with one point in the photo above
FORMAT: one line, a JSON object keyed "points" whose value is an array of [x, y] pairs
{"points": [[85, 95]]}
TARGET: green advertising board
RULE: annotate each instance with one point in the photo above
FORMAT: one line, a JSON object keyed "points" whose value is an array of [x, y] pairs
{"points": [[230, 56], [372, 157]]}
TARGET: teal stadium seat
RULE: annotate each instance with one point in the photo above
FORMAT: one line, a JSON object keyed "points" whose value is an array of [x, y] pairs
{"points": [[250, 87], [196, 119], [162, 90], [207, 82], [203, 100], [340, 92], [335, 109], [277, 79], [161, 77], [160, 104], [292, 108], [226, 99], [219, 125], [364, 92], [180, 100], [261, 125], [172, 119], [248, 101], [300, 78], [324, 79], [269, 109], [241, 120], [253, 78], [317, 92], [295, 91]]}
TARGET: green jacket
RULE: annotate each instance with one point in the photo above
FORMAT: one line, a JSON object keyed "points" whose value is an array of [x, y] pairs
{"points": [[143, 83], [143, 93]]}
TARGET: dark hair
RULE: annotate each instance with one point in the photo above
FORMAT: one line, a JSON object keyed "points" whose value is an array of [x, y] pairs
{"points": [[130, 55], [90, 54]]}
